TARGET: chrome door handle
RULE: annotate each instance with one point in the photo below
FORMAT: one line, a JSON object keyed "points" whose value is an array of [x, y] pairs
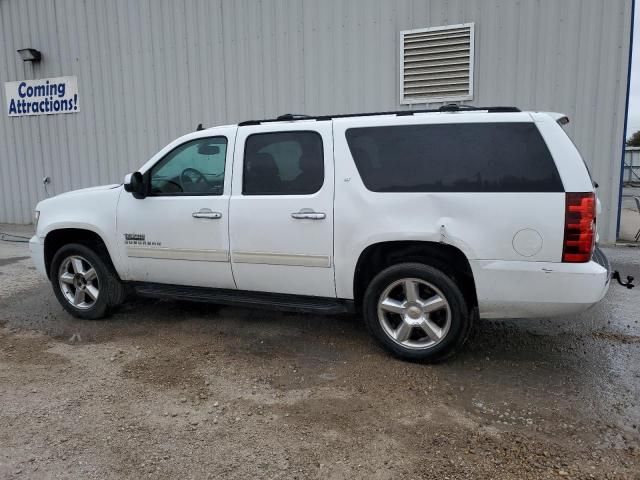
{"points": [[308, 214], [206, 213]]}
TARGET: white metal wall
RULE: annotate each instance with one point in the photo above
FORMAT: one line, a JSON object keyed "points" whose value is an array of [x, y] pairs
{"points": [[149, 71]]}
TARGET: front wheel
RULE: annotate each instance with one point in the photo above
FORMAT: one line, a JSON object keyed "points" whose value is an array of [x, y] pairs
{"points": [[417, 312], [84, 283]]}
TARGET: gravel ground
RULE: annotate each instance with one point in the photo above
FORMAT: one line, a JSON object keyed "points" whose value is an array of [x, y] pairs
{"points": [[176, 390]]}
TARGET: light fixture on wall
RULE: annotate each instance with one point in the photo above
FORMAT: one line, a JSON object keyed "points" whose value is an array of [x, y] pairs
{"points": [[30, 55]]}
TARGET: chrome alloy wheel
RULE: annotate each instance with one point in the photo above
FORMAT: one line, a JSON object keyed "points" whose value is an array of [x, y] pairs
{"points": [[414, 313], [78, 282]]}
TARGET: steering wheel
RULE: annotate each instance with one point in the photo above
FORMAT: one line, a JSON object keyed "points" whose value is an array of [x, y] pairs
{"points": [[186, 177]]}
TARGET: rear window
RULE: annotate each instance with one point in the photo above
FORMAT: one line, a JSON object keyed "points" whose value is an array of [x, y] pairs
{"points": [[460, 157]]}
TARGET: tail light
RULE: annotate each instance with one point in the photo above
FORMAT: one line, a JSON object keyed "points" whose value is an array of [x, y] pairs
{"points": [[579, 227]]}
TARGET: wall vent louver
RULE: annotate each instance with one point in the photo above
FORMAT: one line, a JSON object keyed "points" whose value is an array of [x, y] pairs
{"points": [[437, 64]]}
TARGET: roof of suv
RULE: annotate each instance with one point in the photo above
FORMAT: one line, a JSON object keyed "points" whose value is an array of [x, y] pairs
{"points": [[444, 109]]}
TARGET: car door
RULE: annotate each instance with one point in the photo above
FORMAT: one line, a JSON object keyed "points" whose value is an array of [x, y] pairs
{"points": [[178, 234], [281, 211]]}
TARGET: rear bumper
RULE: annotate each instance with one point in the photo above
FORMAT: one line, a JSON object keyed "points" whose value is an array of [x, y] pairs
{"points": [[517, 289], [36, 247]]}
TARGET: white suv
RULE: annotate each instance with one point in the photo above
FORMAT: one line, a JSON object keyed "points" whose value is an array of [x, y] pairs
{"points": [[420, 220]]}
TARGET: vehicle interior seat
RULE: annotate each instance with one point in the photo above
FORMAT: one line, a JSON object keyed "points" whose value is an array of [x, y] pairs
{"points": [[262, 175], [311, 176]]}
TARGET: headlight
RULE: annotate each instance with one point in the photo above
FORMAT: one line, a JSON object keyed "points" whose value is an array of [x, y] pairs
{"points": [[36, 217]]}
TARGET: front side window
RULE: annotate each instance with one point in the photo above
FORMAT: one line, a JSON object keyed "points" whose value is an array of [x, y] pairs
{"points": [[283, 163], [460, 157], [193, 168]]}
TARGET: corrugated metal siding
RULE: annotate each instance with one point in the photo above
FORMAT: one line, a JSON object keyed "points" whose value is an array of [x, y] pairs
{"points": [[149, 71]]}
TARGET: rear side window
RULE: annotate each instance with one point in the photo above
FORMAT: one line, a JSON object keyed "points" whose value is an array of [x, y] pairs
{"points": [[460, 157], [283, 163]]}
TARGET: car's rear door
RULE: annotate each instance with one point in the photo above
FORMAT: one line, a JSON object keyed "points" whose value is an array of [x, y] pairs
{"points": [[281, 208]]}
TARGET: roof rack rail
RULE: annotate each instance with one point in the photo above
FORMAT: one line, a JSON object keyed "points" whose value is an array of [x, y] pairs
{"points": [[454, 107], [293, 116], [451, 107]]}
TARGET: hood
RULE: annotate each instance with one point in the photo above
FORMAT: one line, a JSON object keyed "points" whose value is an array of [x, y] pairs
{"points": [[90, 189], [53, 200]]}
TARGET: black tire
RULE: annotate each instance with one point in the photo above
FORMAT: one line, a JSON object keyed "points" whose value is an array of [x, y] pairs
{"points": [[111, 290], [459, 322]]}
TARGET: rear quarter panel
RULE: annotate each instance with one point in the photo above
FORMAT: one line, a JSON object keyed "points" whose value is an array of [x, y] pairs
{"points": [[481, 225]]}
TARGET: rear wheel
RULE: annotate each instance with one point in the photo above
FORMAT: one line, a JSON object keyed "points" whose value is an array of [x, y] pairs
{"points": [[84, 283], [416, 312]]}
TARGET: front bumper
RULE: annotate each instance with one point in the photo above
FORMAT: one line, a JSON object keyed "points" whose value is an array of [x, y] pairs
{"points": [[517, 289], [36, 247]]}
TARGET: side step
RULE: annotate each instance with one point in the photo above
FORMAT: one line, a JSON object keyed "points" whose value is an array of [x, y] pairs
{"points": [[244, 298]]}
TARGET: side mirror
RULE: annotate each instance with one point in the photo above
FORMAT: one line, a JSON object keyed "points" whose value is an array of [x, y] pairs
{"points": [[134, 184]]}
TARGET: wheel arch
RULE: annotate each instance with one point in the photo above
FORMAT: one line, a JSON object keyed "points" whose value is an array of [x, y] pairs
{"points": [[447, 258], [57, 238]]}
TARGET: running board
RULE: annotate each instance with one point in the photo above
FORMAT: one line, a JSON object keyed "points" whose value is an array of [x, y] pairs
{"points": [[244, 298]]}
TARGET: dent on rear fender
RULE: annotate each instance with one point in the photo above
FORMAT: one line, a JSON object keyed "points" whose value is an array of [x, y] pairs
{"points": [[458, 224], [447, 228]]}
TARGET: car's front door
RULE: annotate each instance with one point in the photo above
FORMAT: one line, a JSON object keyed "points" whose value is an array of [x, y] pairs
{"points": [[179, 234], [281, 211]]}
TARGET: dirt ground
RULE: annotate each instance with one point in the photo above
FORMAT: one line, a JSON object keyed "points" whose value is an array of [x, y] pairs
{"points": [[176, 390]]}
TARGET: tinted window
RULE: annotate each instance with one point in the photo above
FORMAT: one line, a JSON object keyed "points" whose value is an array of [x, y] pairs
{"points": [[283, 163], [461, 157], [193, 168]]}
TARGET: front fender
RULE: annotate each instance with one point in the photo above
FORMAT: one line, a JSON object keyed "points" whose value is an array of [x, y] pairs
{"points": [[92, 210]]}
